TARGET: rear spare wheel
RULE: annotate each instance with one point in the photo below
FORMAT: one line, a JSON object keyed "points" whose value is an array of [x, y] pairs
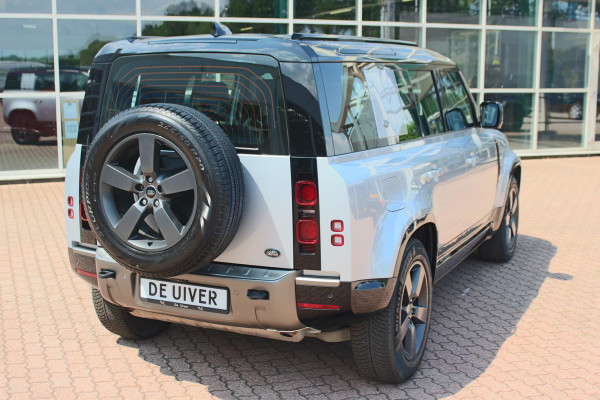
{"points": [[163, 189]]}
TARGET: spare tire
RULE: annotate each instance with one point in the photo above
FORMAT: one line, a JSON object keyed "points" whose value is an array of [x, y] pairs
{"points": [[163, 189]]}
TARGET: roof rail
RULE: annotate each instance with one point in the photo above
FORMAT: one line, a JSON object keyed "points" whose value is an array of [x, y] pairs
{"points": [[342, 38]]}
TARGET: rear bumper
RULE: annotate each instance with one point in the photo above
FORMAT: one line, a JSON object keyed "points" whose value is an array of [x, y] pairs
{"points": [[285, 311], [278, 311]]}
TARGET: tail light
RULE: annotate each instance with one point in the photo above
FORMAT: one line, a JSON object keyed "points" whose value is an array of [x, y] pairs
{"points": [[337, 240], [307, 231], [337, 226], [311, 306], [70, 211], [306, 193], [82, 213], [307, 227]]}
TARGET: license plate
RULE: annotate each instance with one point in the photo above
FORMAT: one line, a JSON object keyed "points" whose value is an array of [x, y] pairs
{"points": [[184, 295]]}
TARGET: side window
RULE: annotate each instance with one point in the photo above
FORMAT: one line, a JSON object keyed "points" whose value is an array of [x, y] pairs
{"points": [[72, 81], [44, 81], [456, 102], [428, 108], [370, 105]]}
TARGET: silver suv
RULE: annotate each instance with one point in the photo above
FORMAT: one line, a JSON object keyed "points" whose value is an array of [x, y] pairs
{"points": [[284, 186]]}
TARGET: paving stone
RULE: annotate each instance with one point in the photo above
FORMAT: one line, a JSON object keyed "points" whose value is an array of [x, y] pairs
{"points": [[529, 328]]}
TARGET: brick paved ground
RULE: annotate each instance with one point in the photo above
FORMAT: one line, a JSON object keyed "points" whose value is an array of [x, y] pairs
{"points": [[527, 329]]}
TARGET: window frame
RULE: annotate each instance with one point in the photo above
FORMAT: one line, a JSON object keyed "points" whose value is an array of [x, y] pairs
{"points": [[431, 69], [438, 78]]}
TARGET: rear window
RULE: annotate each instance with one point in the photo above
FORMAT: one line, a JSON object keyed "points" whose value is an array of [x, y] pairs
{"points": [[241, 93]]}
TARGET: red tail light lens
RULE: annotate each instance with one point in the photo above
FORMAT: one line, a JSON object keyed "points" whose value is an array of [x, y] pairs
{"points": [[306, 193], [70, 201], [337, 225], [318, 306], [307, 231], [71, 213], [82, 212], [337, 240]]}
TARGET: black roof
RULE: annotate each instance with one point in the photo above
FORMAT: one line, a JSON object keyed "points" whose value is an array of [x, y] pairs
{"points": [[284, 48]]}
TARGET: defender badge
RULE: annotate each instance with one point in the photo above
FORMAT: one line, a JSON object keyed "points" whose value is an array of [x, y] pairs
{"points": [[272, 253]]}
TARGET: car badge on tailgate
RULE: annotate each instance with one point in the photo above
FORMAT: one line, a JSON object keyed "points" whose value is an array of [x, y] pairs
{"points": [[272, 253]]}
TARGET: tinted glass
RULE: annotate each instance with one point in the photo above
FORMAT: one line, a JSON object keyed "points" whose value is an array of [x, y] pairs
{"points": [[24, 43], [30, 79], [257, 28], [426, 96], [181, 28], [72, 81], [518, 117], [461, 45], [567, 14], [30, 121], [320, 9], [560, 120], [453, 11], [202, 8], [393, 32], [512, 12], [458, 108], [25, 6], [564, 60], [326, 29], [96, 7], [509, 59], [254, 8], [243, 98], [391, 10], [377, 105], [175, 28], [79, 41]]}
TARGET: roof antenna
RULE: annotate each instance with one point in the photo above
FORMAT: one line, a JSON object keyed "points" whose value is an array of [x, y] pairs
{"points": [[219, 30]]}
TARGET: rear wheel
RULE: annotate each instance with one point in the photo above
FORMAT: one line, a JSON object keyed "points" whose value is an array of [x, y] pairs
{"points": [[120, 322], [501, 247], [22, 128], [389, 346]]}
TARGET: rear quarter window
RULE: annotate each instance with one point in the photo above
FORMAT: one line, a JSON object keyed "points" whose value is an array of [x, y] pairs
{"points": [[374, 105], [241, 94]]}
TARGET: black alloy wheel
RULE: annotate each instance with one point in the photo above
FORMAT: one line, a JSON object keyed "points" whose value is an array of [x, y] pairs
{"points": [[413, 312], [389, 346], [503, 243], [150, 192]]}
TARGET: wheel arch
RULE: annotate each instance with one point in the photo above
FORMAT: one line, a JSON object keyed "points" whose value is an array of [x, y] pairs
{"points": [[424, 229], [516, 172], [18, 111]]}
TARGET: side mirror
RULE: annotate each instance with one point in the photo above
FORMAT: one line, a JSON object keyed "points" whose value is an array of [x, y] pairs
{"points": [[491, 115]]}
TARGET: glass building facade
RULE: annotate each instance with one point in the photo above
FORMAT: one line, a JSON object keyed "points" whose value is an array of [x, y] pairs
{"points": [[539, 58]]}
